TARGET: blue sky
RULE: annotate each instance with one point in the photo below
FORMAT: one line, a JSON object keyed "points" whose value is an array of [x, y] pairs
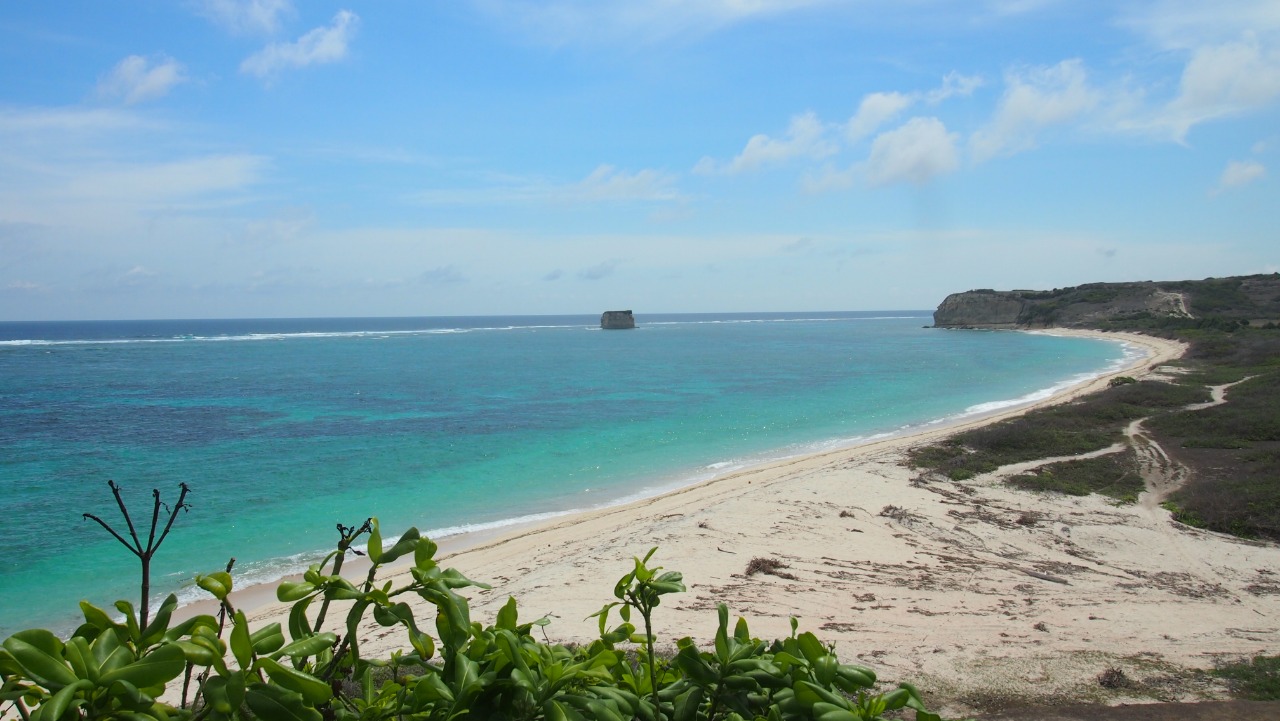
{"points": [[270, 158]]}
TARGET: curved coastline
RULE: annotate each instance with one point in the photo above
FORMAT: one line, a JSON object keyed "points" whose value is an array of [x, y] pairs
{"points": [[259, 598], [260, 588]]}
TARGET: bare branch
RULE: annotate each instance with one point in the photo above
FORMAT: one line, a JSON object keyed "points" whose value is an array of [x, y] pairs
{"points": [[115, 490], [136, 551]]}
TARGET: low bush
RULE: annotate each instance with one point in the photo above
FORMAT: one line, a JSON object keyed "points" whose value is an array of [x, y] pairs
{"points": [[1111, 475], [109, 669]]}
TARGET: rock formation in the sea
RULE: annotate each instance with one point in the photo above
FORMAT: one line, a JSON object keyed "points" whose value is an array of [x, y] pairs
{"points": [[1250, 297], [617, 320]]}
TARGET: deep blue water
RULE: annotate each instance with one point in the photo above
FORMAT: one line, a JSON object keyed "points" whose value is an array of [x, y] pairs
{"points": [[284, 428]]}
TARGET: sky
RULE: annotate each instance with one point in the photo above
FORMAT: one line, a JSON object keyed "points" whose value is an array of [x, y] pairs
{"points": [[273, 158]]}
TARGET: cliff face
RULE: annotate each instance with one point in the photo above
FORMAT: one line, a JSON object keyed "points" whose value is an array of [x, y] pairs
{"points": [[979, 309], [1080, 306]]}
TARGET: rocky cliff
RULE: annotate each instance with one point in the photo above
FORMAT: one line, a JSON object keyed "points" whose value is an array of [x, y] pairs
{"points": [[1251, 298]]}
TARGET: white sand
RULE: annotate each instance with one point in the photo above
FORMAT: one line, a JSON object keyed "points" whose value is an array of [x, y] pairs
{"points": [[939, 595]]}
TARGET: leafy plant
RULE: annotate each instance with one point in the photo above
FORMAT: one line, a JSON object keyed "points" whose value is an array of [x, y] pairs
{"points": [[110, 669]]}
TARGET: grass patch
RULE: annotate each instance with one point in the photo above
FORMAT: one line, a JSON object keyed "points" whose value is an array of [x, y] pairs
{"points": [[1111, 475], [1257, 679]]}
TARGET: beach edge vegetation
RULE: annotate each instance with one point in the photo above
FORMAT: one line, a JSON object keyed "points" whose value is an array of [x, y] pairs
{"points": [[125, 669]]}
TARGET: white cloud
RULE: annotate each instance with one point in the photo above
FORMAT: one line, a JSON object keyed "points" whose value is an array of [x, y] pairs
{"points": [[805, 138], [1192, 24], [247, 16], [608, 183], [875, 110], [322, 45], [1033, 100], [136, 78], [1224, 80], [916, 152], [954, 85], [1239, 173]]}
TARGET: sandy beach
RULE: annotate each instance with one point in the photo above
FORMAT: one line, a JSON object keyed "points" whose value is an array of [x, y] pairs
{"points": [[973, 591]]}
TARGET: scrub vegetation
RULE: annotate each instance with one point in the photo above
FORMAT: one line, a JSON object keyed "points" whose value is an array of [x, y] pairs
{"points": [[1232, 450]]}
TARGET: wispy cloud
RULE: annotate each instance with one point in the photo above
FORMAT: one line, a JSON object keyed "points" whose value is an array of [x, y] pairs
{"points": [[243, 17], [805, 137], [1239, 173], [45, 121], [136, 79], [1034, 99], [322, 45], [1224, 80], [604, 184]]}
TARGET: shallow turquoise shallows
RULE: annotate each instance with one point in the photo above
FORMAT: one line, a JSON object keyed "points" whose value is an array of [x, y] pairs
{"points": [[285, 428]]}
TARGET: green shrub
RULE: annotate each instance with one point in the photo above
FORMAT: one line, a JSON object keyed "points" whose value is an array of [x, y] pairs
{"points": [[118, 670]]}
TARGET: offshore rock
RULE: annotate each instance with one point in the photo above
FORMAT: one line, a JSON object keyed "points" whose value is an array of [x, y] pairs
{"points": [[617, 320]]}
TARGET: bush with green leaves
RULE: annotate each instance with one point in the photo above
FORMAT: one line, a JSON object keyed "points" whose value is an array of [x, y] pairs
{"points": [[111, 669]]}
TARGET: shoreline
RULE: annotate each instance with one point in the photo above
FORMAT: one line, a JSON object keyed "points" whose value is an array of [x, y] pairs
{"points": [[947, 591], [260, 594]]}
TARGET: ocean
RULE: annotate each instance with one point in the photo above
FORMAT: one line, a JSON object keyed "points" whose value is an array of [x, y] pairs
{"points": [[284, 428]]}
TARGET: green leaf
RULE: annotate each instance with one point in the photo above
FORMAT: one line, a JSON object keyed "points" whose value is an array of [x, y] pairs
{"points": [[313, 690], [40, 655], [557, 711], [687, 704], [130, 619], [278, 704], [288, 591], [424, 553], [55, 707], [95, 616], [241, 647], [80, 656], [811, 647], [299, 626], [160, 623], [196, 654], [267, 639], [508, 615], [158, 667], [306, 647], [374, 549], [830, 712], [408, 542], [217, 583]]}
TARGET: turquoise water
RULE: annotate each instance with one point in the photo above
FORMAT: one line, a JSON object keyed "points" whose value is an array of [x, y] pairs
{"points": [[284, 428]]}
